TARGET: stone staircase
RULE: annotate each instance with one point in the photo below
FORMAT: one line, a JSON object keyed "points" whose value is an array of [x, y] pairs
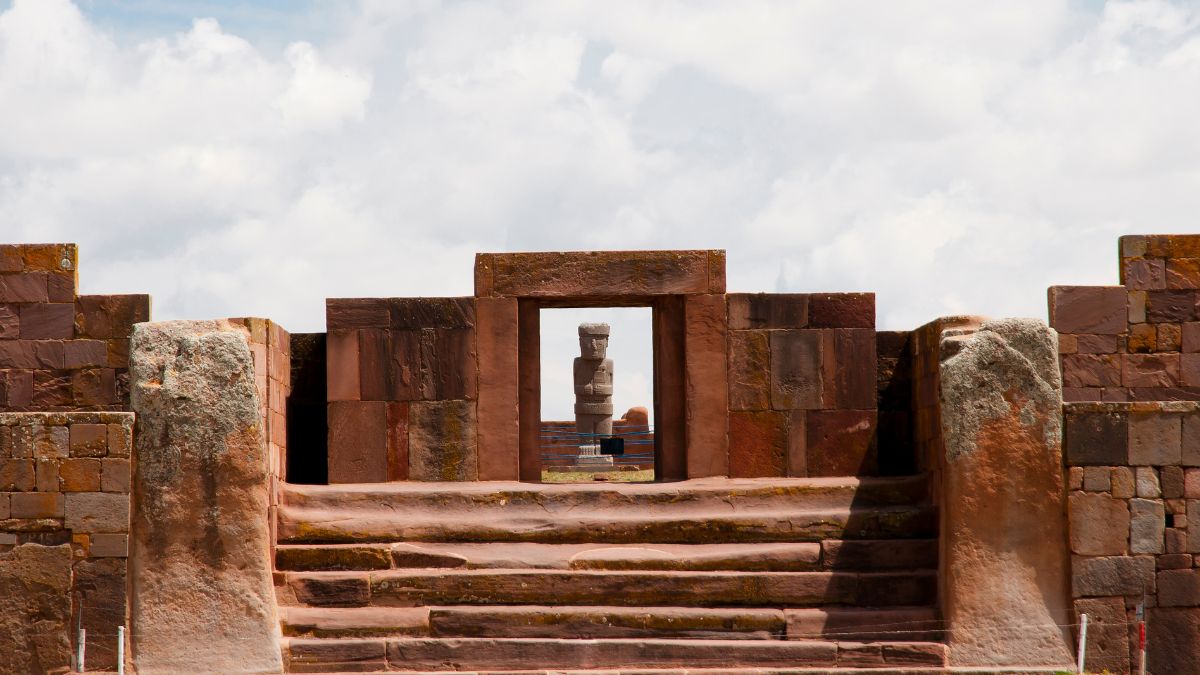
{"points": [[743, 575]]}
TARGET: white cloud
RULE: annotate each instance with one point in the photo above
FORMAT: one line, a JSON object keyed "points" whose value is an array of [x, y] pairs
{"points": [[950, 156]]}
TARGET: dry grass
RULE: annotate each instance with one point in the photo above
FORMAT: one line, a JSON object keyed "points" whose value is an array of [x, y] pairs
{"points": [[643, 476]]}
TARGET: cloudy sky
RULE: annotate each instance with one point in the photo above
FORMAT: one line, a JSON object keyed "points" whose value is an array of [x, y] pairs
{"points": [[236, 158]]}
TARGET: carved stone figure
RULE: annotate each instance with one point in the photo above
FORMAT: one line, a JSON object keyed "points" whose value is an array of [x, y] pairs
{"points": [[593, 385]]}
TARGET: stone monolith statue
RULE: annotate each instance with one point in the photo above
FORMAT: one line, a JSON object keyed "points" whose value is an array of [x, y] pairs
{"points": [[593, 387]]}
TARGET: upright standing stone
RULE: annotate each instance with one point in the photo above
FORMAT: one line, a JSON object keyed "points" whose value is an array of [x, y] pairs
{"points": [[1004, 583], [200, 549], [35, 609], [593, 387]]}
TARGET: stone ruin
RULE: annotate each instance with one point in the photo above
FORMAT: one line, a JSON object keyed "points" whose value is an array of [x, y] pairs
{"points": [[831, 497], [592, 374]]}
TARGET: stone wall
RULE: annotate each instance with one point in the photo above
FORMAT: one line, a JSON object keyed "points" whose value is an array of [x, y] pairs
{"points": [[1139, 341], [64, 481], [1133, 470], [61, 351], [401, 388], [802, 384]]}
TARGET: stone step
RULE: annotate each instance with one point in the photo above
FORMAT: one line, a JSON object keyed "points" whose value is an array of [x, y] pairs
{"points": [[900, 624], [828, 554], [415, 588], [457, 654], [731, 524]]}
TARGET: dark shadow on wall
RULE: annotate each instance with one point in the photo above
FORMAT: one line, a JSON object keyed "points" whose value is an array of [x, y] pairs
{"points": [[307, 427]]}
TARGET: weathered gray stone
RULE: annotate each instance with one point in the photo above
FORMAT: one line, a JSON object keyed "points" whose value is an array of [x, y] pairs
{"points": [[1113, 575], [441, 441], [1123, 484], [1147, 483], [1097, 478], [199, 565], [89, 512], [1005, 589], [1147, 520], [35, 609]]}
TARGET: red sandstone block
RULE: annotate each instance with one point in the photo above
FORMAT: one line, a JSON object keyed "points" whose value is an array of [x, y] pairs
{"points": [[1144, 274], [120, 440], [10, 322], [716, 271], [397, 441], [1095, 344], [118, 353], [358, 450], [498, 423], [841, 443], [374, 364], [1091, 370], [10, 258], [1183, 273], [758, 444], [51, 389], [109, 316], [19, 386], [706, 381], [1170, 306], [420, 313], [85, 353], [601, 274], [406, 370], [841, 310], [484, 268], [1189, 370], [16, 475], [37, 505], [114, 475], [1088, 309], [350, 313], [797, 451], [89, 440], [749, 370], [767, 310], [848, 369], [1150, 370], [342, 366], [47, 475], [1169, 337], [796, 374], [1075, 394], [94, 387], [1068, 343], [60, 286], [1190, 337], [79, 475], [26, 287], [49, 257], [448, 370], [1137, 307], [1143, 338]]}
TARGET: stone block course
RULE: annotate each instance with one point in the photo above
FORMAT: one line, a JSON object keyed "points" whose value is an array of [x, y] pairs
{"points": [[1087, 309], [1146, 526], [1155, 439], [758, 445], [1099, 524], [1112, 575]]}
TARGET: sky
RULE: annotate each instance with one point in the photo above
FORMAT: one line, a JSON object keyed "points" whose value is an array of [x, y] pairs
{"points": [[254, 158]]}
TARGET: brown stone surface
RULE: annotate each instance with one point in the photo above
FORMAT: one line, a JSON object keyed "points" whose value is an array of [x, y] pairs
{"points": [[706, 383], [48, 321], [358, 442], [758, 444], [1091, 370], [35, 610], [1099, 524], [421, 313], [1144, 274], [1150, 370], [1170, 306], [1108, 634], [27, 287], [442, 441], [342, 365], [767, 310], [448, 369], [1173, 640], [397, 440], [200, 550], [1004, 531], [796, 372], [841, 443], [497, 412], [841, 310], [1155, 439], [374, 364], [848, 373], [597, 274], [1112, 575], [1088, 309], [109, 316], [352, 313], [749, 370]]}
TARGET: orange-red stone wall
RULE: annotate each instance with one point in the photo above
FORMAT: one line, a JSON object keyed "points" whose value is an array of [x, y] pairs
{"points": [[58, 350]]}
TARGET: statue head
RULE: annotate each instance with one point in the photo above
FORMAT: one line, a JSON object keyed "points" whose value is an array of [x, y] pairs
{"points": [[593, 340]]}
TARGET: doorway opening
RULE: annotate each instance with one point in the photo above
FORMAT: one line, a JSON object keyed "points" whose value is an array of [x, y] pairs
{"points": [[597, 395]]}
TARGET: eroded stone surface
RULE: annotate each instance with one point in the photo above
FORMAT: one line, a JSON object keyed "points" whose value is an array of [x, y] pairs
{"points": [[35, 609], [200, 551], [1005, 590]]}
